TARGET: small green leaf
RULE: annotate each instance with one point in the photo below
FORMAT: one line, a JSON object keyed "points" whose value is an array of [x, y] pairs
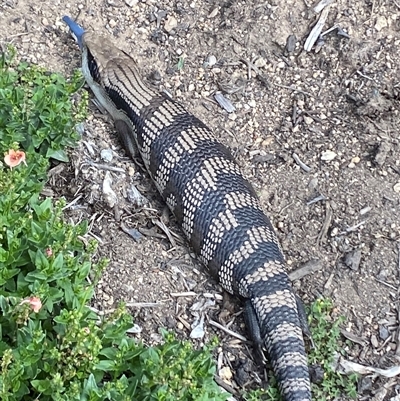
{"points": [[105, 365], [181, 63], [58, 262], [109, 353], [57, 155], [43, 386]]}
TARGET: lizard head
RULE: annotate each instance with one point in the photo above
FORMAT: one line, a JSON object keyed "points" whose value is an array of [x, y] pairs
{"points": [[97, 51]]}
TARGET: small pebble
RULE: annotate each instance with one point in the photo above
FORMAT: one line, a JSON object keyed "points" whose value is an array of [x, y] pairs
{"points": [[225, 103], [170, 23], [374, 341], [383, 333], [109, 195], [382, 153], [260, 63], [381, 22], [112, 23], [365, 210], [328, 155], [211, 60], [131, 171], [106, 155], [267, 141], [213, 13], [135, 197], [352, 259], [225, 374], [290, 44]]}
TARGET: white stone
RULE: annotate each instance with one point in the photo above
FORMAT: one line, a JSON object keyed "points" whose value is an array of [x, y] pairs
{"points": [[328, 155]]}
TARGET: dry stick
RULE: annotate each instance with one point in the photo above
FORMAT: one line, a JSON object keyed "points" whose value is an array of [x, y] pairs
{"points": [[317, 199], [355, 339], [398, 305], [321, 5], [128, 304], [183, 294], [72, 202], [143, 304], [293, 89], [387, 284], [398, 331], [304, 166], [364, 76], [225, 386], [160, 224], [105, 167], [316, 31], [230, 332], [17, 35], [309, 267], [259, 76], [353, 228], [327, 223]]}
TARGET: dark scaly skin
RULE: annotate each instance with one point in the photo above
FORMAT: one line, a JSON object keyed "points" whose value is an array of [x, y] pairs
{"points": [[215, 205]]}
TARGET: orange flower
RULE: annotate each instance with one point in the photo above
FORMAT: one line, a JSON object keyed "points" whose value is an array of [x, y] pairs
{"points": [[14, 157], [34, 302]]}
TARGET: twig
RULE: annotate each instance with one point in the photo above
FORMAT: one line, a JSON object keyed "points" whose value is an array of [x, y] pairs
{"points": [[184, 322], [398, 331], [129, 304], [387, 284], [183, 294], [327, 223], [160, 224], [364, 76], [309, 267], [225, 386], [7, 38], [398, 259], [355, 339], [143, 304], [348, 367], [230, 332], [72, 202], [316, 31], [296, 158], [105, 167], [56, 170], [293, 89], [317, 199], [332, 28], [352, 228], [321, 5], [250, 66]]}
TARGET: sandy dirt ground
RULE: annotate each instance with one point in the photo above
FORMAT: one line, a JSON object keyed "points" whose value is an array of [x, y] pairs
{"points": [[317, 133]]}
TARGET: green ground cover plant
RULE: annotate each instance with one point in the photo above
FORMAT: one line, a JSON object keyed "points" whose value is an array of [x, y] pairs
{"points": [[52, 345]]}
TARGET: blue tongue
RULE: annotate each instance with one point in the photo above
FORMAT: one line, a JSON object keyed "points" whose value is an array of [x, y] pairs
{"points": [[76, 30]]}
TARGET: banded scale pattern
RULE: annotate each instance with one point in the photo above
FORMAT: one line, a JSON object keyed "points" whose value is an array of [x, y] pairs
{"points": [[215, 205]]}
